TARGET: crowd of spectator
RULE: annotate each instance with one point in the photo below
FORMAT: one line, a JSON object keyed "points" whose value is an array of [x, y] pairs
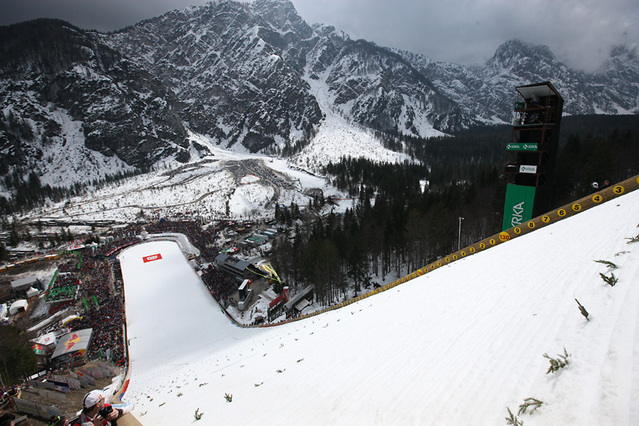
{"points": [[64, 288], [199, 237], [71, 265], [119, 241], [104, 309], [99, 292], [220, 285]]}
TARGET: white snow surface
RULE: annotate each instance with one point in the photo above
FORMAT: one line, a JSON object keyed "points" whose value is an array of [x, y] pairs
{"points": [[209, 186], [337, 137], [457, 346]]}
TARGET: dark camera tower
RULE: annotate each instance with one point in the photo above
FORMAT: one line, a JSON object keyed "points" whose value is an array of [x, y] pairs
{"points": [[533, 151]]}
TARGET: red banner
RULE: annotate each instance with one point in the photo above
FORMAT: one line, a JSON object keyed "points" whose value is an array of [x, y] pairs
{"points": [[152, 258]]}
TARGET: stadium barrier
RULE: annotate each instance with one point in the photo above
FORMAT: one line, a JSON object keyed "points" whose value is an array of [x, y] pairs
{"points": [[539, 222], [9, 266], [35, 409]]}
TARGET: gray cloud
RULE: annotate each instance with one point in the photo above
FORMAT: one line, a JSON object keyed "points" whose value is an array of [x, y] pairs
{"points": [[103, 15], [580, 32]]}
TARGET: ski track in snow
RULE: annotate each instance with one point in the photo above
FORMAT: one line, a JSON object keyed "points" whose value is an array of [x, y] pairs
{"points": [[458, 345]]}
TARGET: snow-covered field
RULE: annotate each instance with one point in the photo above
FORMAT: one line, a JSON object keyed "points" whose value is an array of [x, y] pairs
{"points": [[216, 183], [457, 346], [205, 188], [224, 183]]}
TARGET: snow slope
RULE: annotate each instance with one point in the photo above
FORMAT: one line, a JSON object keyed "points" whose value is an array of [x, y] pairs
{"points": [[206, 187], [457, 346], [337, 137]]}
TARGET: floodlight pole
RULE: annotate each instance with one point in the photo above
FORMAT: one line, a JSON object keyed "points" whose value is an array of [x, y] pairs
{"points": [[459, 234]]}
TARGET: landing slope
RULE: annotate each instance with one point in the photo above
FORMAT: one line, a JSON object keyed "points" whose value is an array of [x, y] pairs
{"points": [[458, 345]]}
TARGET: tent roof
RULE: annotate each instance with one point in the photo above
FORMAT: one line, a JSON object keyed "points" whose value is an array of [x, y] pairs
{"points": [[539, 89], [22, 303], [19, 303], [45, 339], [73, 342], [24, 282]]}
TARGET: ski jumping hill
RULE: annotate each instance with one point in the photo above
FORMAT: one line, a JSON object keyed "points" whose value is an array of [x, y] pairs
{"points": [[462, 344]]}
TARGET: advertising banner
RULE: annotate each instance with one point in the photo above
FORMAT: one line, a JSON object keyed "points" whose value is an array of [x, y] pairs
{"points": [[522, 146], [528, 169], [519, 205], [73, 342], [152, 257]]}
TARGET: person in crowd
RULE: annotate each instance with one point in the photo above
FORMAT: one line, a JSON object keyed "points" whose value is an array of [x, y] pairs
{"points": [[58, 421], [96, 412]]}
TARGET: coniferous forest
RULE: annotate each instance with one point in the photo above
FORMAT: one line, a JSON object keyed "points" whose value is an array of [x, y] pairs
{"points": [[405, 216]]}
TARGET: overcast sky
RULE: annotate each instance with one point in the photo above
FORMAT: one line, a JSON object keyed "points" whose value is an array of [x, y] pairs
{"points": [[579, 32]]}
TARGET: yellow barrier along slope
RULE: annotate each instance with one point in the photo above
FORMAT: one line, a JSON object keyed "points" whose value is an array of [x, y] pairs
{"points": [[553, 216]]}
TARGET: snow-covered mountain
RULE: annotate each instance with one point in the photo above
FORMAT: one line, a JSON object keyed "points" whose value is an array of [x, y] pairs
{"points": [[486, 92], [253, 77], [73, 106]]}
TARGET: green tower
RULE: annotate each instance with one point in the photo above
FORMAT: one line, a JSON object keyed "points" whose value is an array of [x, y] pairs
{"points": [[533, 151]]}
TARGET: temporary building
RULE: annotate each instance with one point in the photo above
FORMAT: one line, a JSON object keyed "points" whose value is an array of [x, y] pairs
{"points": [[76, 341], [23, 284], [46, 339], [18, 306]]}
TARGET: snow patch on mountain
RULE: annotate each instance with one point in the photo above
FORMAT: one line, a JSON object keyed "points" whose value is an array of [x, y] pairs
{"points": [[220, 184], [337, 137]]}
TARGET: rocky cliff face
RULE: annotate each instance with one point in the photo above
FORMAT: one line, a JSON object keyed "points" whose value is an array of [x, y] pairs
{"points": [[486, 91], [60, 84], [242, 71], [238, 75]]}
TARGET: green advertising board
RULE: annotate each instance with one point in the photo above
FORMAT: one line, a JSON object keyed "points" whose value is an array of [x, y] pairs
{"points": [[519, 205], [522, 147]]}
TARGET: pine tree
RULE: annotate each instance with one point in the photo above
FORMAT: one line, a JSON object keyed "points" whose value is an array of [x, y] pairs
{"points": [[17, 359]]}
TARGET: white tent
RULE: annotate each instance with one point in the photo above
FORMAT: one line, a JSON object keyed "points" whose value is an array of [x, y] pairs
{"points": [[46, 339], [32, 292], [4, 311], [18, 306]]}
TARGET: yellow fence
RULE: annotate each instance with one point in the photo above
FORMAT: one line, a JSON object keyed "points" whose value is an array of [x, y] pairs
{"points": [[553, 216]]}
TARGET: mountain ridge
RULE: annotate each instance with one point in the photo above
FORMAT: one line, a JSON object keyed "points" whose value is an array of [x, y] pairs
{"points": [[239, 73]]}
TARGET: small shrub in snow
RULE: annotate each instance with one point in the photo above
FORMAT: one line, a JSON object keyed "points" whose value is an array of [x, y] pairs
{"points": [[583, 310], [633, 240], [228, 397], [607, 263], [513, 420], [528, 403], [197, 414], [556, 363], [611, 280]]}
